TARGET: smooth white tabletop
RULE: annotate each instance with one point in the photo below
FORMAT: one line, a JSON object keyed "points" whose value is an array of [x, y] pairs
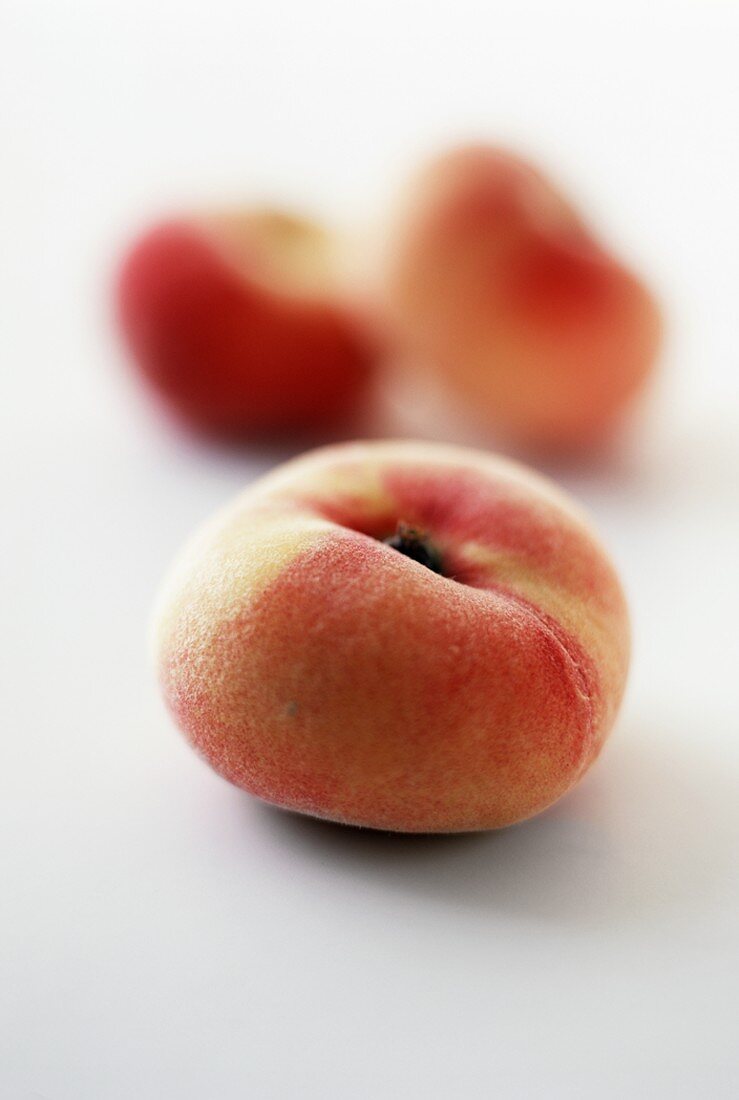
{"points": [[163, 934]]}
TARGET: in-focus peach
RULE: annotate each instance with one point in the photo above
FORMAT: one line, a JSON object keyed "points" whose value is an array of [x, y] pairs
{"points": [[497, 284], [237, 321], [407, 636]]}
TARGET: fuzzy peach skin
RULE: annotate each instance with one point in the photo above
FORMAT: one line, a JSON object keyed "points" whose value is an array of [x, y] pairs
{"points": [[322, 669], [237, 321], [496, 283]]}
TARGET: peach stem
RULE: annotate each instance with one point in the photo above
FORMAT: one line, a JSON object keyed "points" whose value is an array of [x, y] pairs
{"points": [[416, 545]]}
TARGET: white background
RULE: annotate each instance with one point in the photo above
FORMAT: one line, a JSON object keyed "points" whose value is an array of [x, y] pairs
{"points": [[164, 935]]}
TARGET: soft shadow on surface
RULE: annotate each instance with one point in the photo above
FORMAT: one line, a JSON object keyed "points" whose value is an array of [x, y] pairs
{"points": [[653, 828], [413, 405], [262, 450], [652, 462]]}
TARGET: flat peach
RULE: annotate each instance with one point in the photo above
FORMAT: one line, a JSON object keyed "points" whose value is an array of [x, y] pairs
{"points": [[399, 635], [497, 285], [238, 322]]}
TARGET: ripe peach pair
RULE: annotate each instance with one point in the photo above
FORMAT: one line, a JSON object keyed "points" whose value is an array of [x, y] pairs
{"points": [[247, 323]]}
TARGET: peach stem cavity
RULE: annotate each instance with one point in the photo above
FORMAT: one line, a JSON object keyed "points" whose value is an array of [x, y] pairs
{"points": [[416, 545]]}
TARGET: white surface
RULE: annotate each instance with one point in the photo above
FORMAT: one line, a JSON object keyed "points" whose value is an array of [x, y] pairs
{"points": [[165, 936]]}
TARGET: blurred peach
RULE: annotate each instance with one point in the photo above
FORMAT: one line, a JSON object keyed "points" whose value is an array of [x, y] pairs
{"points": [[497, 285], [237, 320]]}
